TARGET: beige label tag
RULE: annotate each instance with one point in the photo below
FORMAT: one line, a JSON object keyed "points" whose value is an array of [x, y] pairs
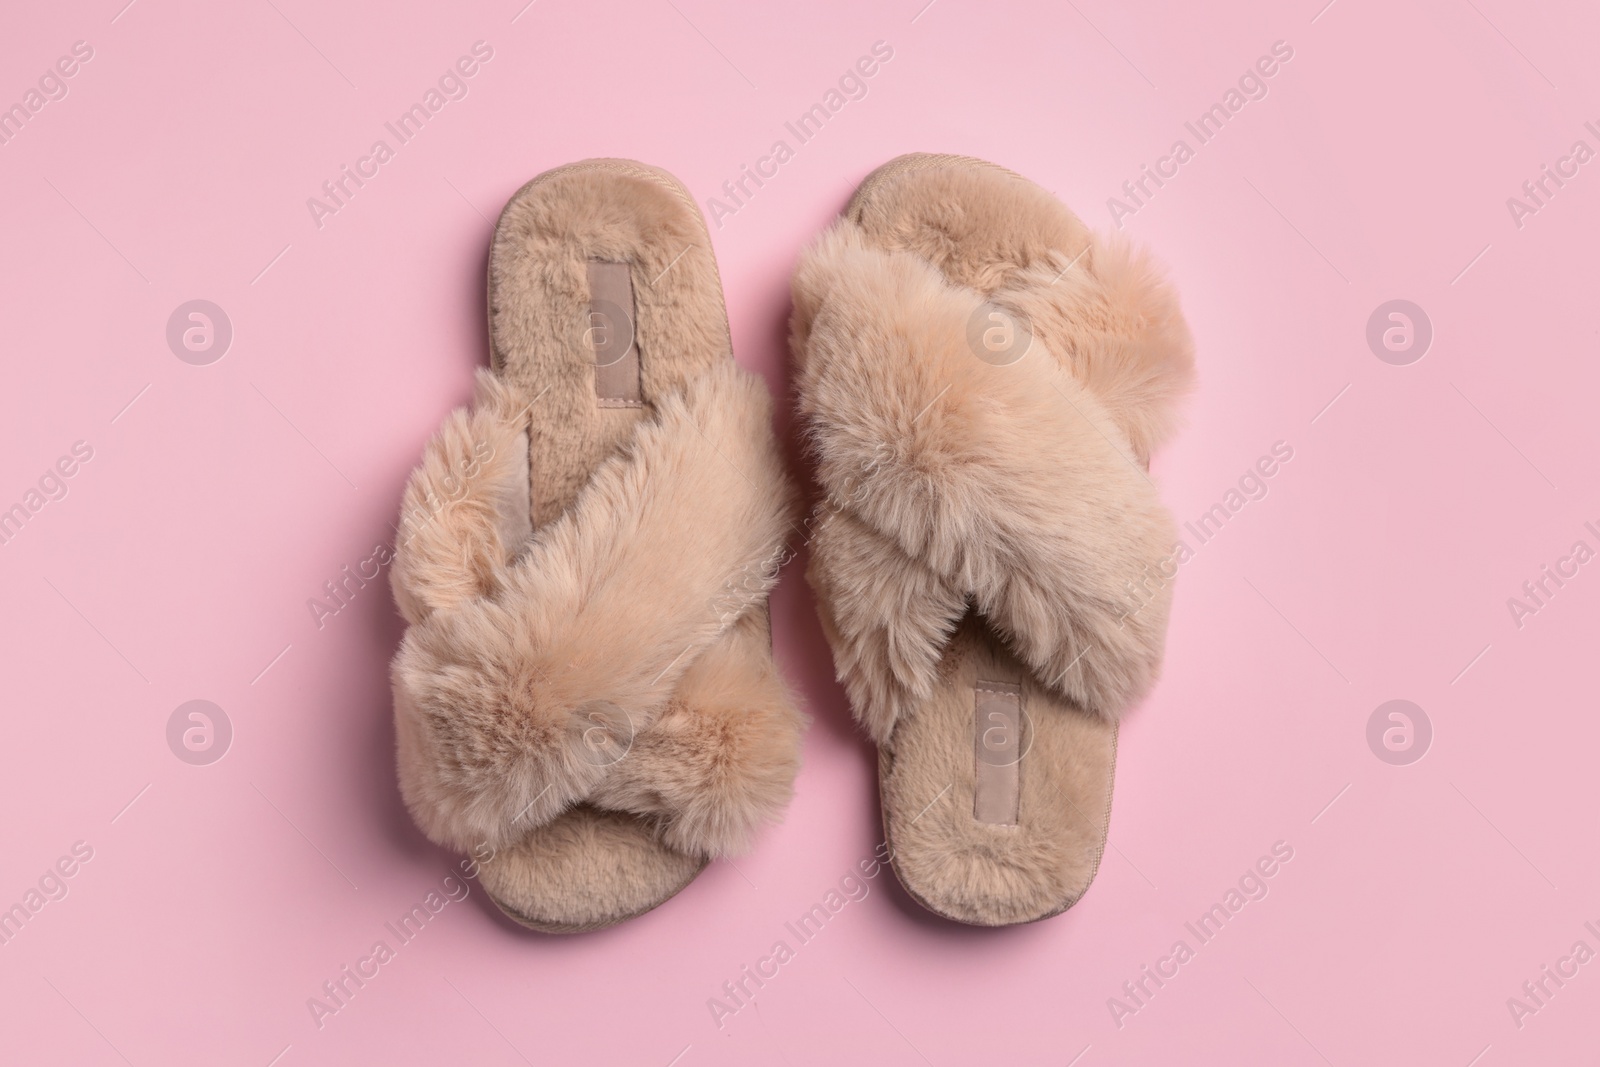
{"points": [[997, 745], [610, 334]]}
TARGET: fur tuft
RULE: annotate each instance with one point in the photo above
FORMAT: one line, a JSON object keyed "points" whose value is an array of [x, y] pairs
{"points": [[721, 760], [513, 706], [464, 513], [1115, 321], [1016, 485]]}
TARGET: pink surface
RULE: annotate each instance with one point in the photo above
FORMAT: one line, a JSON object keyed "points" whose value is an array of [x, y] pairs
{"points": [[220, 498]]}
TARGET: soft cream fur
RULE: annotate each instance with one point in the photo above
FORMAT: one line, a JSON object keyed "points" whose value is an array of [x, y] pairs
{"points": [[577, 572], [616, 210], [464, 512], [594, 626], [986, 523], [584, 871], [1116, 320], [971, 871], [1011, 484], [720, 760], [887, 618], [1097, 303]]}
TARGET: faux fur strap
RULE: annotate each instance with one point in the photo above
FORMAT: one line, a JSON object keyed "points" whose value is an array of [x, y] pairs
{"points": [[465, 510], [532, 667], [952, 479]]}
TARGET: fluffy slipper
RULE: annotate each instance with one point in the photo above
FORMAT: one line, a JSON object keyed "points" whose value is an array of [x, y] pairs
{"points": [[983, 381], [586, 691]]}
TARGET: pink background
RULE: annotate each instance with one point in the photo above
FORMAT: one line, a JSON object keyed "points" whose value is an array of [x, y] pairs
{"points": [[1378, 566]]}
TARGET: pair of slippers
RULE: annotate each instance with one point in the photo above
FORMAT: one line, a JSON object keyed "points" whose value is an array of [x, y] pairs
{"points": [[586, 698]]}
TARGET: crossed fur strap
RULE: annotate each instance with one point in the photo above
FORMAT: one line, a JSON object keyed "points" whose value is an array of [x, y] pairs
{"points": [[577, 663], [953, 482]]}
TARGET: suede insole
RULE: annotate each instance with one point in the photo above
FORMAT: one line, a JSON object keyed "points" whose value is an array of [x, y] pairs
{"points": [[952, 845], [603, 295]]}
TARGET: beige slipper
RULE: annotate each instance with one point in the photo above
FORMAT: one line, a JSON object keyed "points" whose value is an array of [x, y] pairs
{"points": [[586, 693], [983, 381]]}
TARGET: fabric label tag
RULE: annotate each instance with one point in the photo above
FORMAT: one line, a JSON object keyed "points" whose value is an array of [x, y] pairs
{"points": [[610, 335], [997, 744]]}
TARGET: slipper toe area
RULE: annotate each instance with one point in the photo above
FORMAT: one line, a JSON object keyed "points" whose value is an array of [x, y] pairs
{"points": [[587, 870], [719, 763], [716, 766]]}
